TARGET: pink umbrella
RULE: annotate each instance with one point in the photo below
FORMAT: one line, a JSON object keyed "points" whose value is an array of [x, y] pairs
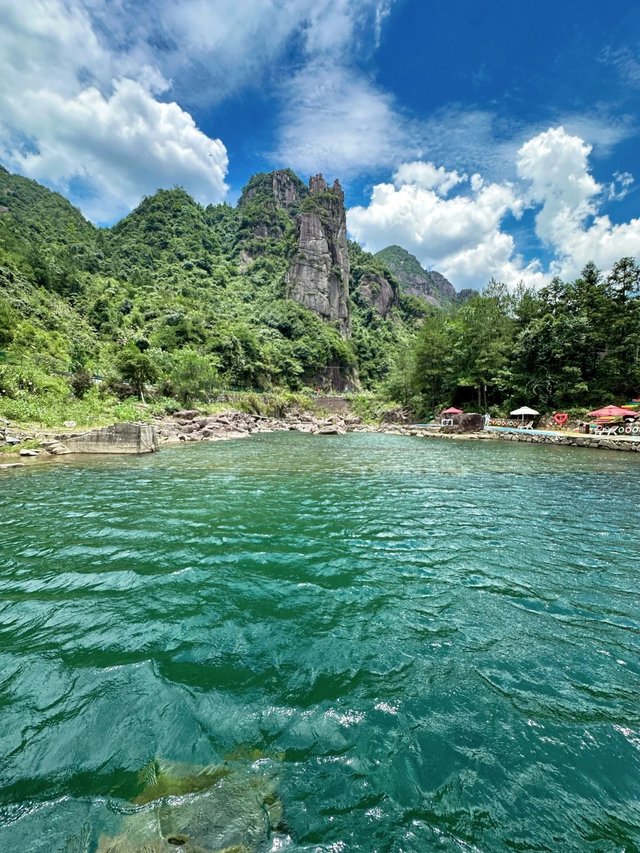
{"points": [[452, 411], [611, 412]]}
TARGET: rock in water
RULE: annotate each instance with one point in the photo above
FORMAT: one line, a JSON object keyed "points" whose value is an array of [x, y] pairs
{"points": [[212, 809]]}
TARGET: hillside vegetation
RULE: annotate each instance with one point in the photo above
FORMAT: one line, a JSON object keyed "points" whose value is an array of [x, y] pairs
{"points": [[178, 303]]}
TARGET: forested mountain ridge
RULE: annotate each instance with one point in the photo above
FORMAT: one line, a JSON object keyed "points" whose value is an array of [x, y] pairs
{"points": [[414, 279], [192, 299], [187, 301]]}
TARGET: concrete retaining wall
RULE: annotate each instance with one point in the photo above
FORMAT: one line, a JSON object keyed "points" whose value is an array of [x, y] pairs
{"points": [[626, 445], [119, 438]]}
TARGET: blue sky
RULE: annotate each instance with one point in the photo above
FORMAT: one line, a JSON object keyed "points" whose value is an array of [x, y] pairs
{"points": [[490, 139]]}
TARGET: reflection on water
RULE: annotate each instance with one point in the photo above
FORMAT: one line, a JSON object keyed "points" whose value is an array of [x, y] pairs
{"points": [[419, 644]]}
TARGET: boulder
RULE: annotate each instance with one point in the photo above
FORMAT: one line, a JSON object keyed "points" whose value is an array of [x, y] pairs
{"points": [[466, 422], [186, 414], [331, 429]]}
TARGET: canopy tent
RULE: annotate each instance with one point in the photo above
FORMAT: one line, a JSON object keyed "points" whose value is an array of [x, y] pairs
{"points": [[524, 410], [452, 411], [612, 412]]}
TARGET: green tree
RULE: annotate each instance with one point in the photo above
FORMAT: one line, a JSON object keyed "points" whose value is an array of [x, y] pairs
{"points": [[136, 368], [435, 358], [193, 376], [485, 340]]}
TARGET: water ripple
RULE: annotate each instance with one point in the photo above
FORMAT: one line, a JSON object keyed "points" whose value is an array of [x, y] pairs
{"points": [[435, 644]]}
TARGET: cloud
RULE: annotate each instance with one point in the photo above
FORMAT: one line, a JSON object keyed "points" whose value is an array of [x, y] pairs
{"points": [[71, 115], [84, 86], [460, 236], [427, 176], [334, 117], [625, 61], [336, 120], [123, 146], [210, 49], [556, 166], [465, 235]]}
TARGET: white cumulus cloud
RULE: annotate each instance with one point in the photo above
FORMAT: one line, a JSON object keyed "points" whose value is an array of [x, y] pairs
{"points": [[555, 165], [466, 235], [459, 236], [74, 113]]}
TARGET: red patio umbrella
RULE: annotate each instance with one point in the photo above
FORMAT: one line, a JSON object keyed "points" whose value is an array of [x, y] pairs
{"points": [[452, 411], [611, 412]]}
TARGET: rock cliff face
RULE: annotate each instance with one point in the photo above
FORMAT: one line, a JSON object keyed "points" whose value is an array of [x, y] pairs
{"points": [[285, 190], [282, 187], [318, 277], [378, 292]]}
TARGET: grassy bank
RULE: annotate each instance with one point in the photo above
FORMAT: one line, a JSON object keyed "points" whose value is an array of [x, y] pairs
{"points": [[95, 409]]}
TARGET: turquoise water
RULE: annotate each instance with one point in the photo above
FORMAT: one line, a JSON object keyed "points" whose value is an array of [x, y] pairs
{"points": [[427, 645]]}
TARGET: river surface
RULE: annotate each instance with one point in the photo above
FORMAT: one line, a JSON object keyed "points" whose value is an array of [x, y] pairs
{"points": [[428, 645]]}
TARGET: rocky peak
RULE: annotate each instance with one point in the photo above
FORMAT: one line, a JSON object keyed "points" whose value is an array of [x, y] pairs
{"points": [[285, 191], [318, 277], [282, 189], [317, 184]]}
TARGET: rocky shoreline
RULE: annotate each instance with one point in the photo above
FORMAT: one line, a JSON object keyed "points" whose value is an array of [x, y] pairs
{"points": [[188, 425], [192, 425], [591, 442]]}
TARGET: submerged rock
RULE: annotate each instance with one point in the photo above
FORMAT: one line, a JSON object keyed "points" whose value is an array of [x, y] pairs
{"points": [[214, 809]]}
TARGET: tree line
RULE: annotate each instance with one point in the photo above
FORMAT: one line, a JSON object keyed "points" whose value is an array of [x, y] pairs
{"points": [[569, 345]]}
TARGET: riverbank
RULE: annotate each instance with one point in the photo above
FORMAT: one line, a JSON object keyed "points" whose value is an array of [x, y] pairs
{"points": [[31, 446], [625, 444]]}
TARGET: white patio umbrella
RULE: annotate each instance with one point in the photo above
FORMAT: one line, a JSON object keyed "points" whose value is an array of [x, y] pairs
{"points": [[524, 410]]}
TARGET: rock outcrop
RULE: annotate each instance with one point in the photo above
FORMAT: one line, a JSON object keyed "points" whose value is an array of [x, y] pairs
{"points": [[378, 292], [282, 186], [285, 191], [318, 277], [465, 422], [120, 438]]}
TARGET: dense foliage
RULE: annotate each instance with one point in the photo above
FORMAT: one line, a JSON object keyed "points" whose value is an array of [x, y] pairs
{"points": [[177, 303], [571, 344]]}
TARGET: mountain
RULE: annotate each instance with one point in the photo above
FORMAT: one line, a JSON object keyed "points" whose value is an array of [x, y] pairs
{"points": [[415, 280], [269, 294]]}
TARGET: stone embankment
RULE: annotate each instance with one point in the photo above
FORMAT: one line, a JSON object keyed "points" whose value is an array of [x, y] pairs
{"points": [[592, 442], [120, 438]]}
